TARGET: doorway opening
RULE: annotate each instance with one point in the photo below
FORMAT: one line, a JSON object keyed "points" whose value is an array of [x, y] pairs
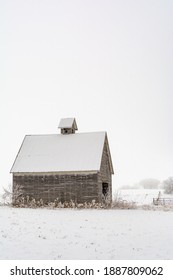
{"points": [[105, 189]]}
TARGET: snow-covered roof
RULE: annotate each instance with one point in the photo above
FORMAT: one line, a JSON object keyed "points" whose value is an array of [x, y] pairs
{"points": [[68, 123], [60, 153]]}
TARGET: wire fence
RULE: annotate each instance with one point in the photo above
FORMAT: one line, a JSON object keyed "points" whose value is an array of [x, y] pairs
{"points": [[163, 201]]}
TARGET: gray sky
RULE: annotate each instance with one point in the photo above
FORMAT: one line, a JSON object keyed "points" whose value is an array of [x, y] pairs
{"points": [[108, 63]]}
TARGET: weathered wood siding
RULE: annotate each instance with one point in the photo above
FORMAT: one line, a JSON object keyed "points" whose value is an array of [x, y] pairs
{"points": [[105, 175], [79, 188]]}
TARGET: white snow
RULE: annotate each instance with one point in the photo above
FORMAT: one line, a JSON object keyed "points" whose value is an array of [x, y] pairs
{"points": [[67, 123], [60, 153], [85, 234]]}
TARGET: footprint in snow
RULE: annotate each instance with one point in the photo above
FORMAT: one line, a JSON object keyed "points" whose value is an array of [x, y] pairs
{"points": [[64, 237], [43, 237]]}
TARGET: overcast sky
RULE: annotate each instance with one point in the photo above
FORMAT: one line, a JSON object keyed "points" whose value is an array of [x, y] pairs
{"points": [[109, 63]]}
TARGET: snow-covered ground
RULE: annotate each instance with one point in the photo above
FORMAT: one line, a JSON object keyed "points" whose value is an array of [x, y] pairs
{"points": [[85, 234]]}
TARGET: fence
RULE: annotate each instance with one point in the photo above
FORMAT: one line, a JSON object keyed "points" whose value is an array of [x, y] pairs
{"points": [[163, 201]]}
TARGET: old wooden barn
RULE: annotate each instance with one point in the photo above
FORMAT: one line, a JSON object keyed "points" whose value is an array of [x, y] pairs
{"points": [[68, 166]]}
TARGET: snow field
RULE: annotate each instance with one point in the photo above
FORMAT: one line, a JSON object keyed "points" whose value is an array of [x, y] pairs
{"points": [[85, 234]]}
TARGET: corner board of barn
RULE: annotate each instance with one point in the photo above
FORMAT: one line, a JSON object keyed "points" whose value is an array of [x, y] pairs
{"points": [[64, 167]]}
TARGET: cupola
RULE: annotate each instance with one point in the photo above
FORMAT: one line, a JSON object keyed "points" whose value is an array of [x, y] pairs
{"points": [[68, 126]]}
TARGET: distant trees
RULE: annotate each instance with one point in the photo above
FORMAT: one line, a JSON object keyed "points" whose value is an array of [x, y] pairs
{"points": [[150, 183], [147, 183], [168, 185], [126, 187]]}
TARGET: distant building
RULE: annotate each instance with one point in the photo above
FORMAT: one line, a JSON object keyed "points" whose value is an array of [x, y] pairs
{"points": [[68, 166]]}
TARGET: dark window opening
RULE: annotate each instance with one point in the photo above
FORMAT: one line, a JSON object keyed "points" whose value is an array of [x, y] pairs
{"points": [[105, 189]]}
